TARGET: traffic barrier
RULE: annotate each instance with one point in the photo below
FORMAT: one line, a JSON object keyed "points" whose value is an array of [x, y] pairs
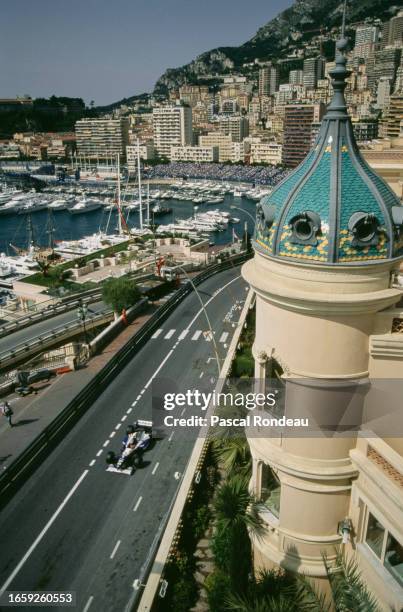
{"points": [[26, 463], [48, 312], [24, 349]]}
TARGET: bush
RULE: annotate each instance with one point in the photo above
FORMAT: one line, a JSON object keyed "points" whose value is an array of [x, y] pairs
{"points": [[218, 590], [120, 293], [184, 594]]}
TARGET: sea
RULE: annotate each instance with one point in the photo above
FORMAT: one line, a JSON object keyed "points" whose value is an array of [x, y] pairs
{"points": [[14, 228]]}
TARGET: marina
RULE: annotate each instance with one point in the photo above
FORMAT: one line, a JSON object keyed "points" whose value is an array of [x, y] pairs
{"points": [[78, 212]]}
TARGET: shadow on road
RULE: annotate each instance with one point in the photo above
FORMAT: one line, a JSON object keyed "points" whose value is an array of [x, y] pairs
{"points": [[24, 422]]}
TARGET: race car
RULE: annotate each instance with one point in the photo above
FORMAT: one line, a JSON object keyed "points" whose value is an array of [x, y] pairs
{"points": [[137, 440]]}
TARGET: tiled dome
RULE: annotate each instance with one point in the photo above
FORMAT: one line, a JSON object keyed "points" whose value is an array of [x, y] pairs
{"points": [[333, 208]]}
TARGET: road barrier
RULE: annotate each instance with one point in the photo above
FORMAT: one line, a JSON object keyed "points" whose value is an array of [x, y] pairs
{"points": [[25, 349], [48, 312], [26, 463]]}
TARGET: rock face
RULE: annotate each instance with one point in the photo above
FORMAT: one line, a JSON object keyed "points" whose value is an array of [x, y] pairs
{"points": [[280, 37]]}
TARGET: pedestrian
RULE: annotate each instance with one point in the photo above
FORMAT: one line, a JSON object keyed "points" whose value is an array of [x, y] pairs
{"points": [[7, 411]]}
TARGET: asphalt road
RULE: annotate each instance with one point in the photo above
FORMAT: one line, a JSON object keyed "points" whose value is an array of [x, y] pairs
{"points": [[41, 327], [75, 527]]}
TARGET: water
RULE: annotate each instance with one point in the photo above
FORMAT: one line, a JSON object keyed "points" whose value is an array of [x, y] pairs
{"points": [[13, 228]]}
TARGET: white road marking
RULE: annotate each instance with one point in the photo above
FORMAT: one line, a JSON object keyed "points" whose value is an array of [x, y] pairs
{"points": [[115, 549], [183, 411], [142, 391], [155, 468], [92, 462], [197, 334], [171, 435], [138, 397], [137, 504], [88, 604], [158, 369], [118, 426], [183, 334], [224, 336], [169, 334], [105, 443], [129, 411], [124, 417], [99, 453], [157, 333], [134, 403], [201, 374], [42, 533], [113, 434]]}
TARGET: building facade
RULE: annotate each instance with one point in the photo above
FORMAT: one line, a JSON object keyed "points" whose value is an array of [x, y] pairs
{"points": [[172, 125], [298, 122], [329, 314], [102, 138], [194, 154]]}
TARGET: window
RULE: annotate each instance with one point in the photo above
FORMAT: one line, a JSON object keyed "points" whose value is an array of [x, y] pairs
{"points": [[386, 547], [270, 490], [394, 559], [375, 535]]}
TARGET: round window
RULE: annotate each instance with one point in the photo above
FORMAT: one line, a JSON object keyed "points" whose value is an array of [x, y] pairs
{"points": [[303, 229], [365, 229]]}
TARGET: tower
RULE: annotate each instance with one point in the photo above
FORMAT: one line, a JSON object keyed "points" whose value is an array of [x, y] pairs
{"points": [[328, 242]]}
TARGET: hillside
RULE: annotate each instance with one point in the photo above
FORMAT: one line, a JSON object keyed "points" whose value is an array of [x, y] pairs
{"points": [[279, 38]]}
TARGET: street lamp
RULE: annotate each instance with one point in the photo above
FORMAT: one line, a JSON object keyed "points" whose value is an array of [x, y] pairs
{"points": [[82, 315], [249, 215], [217, 357]]}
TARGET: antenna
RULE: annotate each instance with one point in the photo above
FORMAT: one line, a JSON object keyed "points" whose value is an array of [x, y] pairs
{"points": [[343, 25]]}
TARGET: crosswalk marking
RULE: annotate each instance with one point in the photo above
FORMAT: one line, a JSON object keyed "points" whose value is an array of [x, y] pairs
{"points": [[169, 334], [183, 334], [197, 334], [223, 337], [157, 333]]}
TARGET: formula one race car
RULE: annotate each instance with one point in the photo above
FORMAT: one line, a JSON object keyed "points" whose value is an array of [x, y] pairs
{"points": [[137, 440]]}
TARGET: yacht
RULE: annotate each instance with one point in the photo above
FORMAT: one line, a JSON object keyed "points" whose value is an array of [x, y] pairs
{"points": [[20, 265], [85, 205], [32, 206]]}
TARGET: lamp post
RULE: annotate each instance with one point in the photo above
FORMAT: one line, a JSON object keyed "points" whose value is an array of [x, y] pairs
{"points": [[82, 315], [217, 357], [249, 215]]}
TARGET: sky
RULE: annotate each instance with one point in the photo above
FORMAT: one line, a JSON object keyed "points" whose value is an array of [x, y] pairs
{"points": [[105, 50]]}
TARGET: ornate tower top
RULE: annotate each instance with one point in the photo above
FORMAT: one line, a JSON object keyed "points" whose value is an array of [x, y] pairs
{"points": [[333, 209]]}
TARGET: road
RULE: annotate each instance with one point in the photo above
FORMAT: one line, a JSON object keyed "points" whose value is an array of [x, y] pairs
{"points": [[73, 526], [41, 327]]}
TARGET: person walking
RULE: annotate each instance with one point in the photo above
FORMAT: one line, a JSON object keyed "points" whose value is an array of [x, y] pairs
{"points": [[7, 411]]}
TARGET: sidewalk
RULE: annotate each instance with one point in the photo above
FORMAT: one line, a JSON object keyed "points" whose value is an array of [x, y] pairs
{"points": [[34, 412]]}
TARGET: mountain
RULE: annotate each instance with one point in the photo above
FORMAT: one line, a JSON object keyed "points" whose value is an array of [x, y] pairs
{"points": [[280, 37]]}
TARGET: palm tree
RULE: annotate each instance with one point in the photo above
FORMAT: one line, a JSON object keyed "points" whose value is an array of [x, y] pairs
{"points": [[234, 455], [276, 591], [236, 515], [349, 591]]}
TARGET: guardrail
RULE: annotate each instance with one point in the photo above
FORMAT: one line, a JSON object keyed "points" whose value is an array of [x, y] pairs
{"points": [[47, 313], [43, 341], [26, 463]]}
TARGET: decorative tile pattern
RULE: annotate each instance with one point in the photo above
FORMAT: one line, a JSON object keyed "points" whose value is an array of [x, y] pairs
{"points": [[385, 466]]}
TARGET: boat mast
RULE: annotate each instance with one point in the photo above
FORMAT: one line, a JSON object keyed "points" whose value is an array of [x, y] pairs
{"points": [[118, 194], [148, 203], [139, 173]]}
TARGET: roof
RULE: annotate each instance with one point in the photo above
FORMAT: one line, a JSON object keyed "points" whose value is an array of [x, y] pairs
{"points": [[333, 209]]}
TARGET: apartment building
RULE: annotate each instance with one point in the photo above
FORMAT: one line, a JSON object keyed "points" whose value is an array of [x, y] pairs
{"points": [[235, 126], [172, 125], [265, 152], [298, 121], [314, 69], [102, 138], [195, 154], [269, 80], [146, 150]]}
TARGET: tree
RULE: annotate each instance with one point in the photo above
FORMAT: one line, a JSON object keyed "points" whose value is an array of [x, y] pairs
{"points": [[120, 293], [234, 455], [237, 516]]}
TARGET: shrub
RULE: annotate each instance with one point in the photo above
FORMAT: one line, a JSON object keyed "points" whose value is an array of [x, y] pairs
{"points": [[218, 590]]}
